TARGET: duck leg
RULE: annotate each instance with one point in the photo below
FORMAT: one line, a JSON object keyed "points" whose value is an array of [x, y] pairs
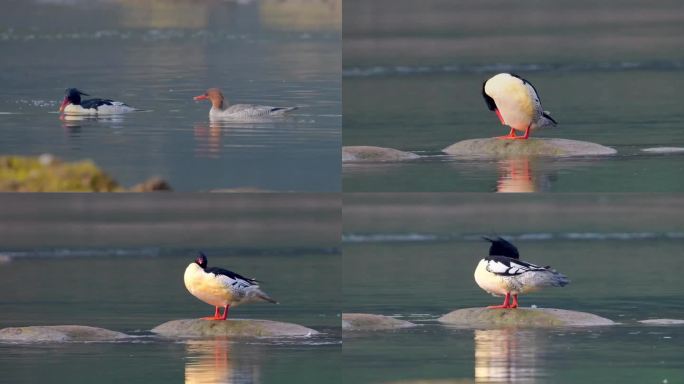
{"points": [[225, 313], [511, 135], [215, 317], [505, 303], [515, 301]]}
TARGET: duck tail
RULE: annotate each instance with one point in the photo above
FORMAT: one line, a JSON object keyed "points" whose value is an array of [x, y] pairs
{"points": [[281, 110], [558, 279], [548, 120], [264, 297]]}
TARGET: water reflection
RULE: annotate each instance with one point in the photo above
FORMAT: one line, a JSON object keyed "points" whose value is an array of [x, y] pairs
{"points": [[75, 122], [507, 355], [219, 361], [518, 175], [207, 139]]}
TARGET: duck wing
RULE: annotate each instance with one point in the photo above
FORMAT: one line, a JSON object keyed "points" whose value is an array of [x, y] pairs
{"points": [[232, 275], [506, 266]]}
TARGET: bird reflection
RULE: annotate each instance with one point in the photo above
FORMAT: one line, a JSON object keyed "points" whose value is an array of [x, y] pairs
{"points": [[515, 175], [507, 355], [217, 361], [208, 139], [75, 122]]}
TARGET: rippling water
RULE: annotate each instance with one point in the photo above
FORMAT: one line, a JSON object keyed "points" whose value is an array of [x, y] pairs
{"points": [[413, 75], [412, 256], [157, 55]]}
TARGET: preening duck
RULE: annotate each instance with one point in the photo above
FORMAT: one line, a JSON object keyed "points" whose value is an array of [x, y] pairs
{"points": [[221, 110], [73, 105], [502, 273], [516, 102], [221, 287]]}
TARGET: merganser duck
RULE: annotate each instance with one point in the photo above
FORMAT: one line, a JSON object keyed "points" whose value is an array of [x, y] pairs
{"points": [[221, 287], [221, 110], [516, 103], [72, 104], [501, 273]]}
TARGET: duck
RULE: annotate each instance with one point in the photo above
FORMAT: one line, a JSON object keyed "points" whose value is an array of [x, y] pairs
{"points": [[221, 110], [516, 103], [221, 288], [72, 104], [503, 273]]}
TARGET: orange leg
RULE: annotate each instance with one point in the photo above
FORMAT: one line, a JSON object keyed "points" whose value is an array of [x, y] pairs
{"points": [[511, 135], [505, 303], [515, 301], [225, 313], [215, 317]]}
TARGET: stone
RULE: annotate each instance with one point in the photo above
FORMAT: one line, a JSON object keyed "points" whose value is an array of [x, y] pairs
{"points": [[371, 154], [199, 328], [369, 322], [58, 333], [664, 150], [522, 318], [662, 322], [498, 148]]}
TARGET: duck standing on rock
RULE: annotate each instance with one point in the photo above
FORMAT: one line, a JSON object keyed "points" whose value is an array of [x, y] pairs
{"points": [[221, 110], [516, 102], [221, 287], [502, 273]]}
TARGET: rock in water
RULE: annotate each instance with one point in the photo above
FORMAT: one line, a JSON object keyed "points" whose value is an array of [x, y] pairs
{"points": [[370, 154], [495, 148], [368, 322], [232, 328], [522, 317], [662, 322], [58, 333]]}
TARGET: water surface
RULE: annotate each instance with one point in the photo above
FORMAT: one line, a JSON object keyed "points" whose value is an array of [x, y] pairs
{"points": [[157, 55]]}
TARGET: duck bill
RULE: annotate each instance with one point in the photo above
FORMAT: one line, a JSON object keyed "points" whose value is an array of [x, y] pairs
{"points": [[200, 97], [65, 102]]}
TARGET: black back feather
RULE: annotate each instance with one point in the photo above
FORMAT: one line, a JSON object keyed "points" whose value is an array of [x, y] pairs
{"points": [[501, 247]]}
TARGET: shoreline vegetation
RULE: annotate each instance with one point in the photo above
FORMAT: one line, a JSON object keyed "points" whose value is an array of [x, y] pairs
{"points": [[47, 173]]}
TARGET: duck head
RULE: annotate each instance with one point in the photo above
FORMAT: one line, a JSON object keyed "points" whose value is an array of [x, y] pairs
{"points": [[201, 260], [214, 95], [501, 247], [71, 96]]}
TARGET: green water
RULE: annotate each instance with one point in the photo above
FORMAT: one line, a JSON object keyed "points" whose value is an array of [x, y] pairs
{"points": [[77, 260], [419, 265], [413, 74]]}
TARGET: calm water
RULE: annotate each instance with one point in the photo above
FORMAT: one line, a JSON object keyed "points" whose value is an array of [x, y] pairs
{"points": [[412, 81], [419, 266], [157, 55], [114, 280]]}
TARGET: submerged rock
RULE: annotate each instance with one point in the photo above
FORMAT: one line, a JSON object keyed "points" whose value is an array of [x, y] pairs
{"points": [[369, 322], [368, 153], [664, 150], [522, 317], [232, 327], [58, 333], [662, 322], [493, 147]]}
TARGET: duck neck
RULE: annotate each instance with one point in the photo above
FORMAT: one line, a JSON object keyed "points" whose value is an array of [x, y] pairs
{"points": [[219, 104]]}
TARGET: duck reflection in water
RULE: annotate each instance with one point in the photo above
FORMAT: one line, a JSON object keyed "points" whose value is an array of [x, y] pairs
{"points": [[519, 175], [217, 361], [507, 356], [208, 139]]}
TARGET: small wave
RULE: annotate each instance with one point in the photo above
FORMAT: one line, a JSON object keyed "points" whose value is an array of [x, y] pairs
{"points": [[533, 236], [68, 253], [501, 67]]}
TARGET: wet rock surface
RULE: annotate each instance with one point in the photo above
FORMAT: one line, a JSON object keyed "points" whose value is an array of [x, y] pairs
{"points": [[371, 154], [522, 317], [496, 148], [58, 333], [190, 328], [370, 322]]}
